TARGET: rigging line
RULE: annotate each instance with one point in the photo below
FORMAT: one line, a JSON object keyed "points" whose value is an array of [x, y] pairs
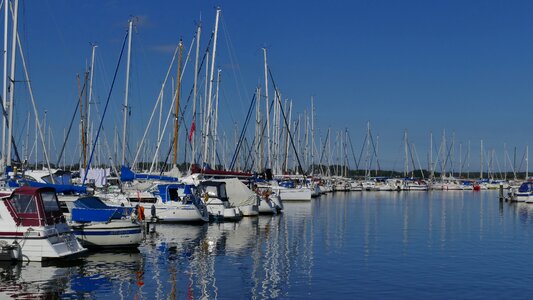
{"points": [[374, 148], [182, 112], [324, 148], [362, 149], [199, 70], [286, 123], [105, 109], [4, 112], [353, 153], [71, 122], [243, 132], [235, 66]]}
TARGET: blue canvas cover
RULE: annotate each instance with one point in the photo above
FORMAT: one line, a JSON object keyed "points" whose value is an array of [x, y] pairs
{"points": [[526, 187], [93, 209], [60, 188]]}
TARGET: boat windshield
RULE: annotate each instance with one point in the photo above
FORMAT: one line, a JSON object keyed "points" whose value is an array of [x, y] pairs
{"points": [[526, 187], [24, 204], [211, 190], [50, 202]]}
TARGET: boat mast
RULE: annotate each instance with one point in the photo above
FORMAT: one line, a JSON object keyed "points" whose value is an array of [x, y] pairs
{"points": [[4, 93], [481, 161], [212, 74], [527, 162], [126, 108], [431, 155], [267, 105], [195, 95], [176, 117], [215, 123], [89, 101], [259, 141], [12, 84], [312, 135], [406, 149]]}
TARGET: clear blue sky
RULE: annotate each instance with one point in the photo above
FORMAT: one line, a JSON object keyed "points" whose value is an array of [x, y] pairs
{"points": [[425, 66]]}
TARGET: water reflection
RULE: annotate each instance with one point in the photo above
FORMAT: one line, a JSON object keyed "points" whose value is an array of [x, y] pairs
{"points": [[32, 281], [351, 245]]}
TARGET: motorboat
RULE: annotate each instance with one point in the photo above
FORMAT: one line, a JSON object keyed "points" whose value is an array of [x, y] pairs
{"points": [[34, 227], [97, 224], [241, 197], [524, 193], [178, 203], [217, 203]]}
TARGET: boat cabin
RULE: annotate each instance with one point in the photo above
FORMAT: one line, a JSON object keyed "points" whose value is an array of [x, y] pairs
{"points": [[214, 189], [31, 206], [175, 192]]}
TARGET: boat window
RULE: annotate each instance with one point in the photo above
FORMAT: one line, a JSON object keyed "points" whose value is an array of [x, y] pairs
{"points": [[211, 190], [50, 202], [173, 194], [223, 192], [24, 203]]}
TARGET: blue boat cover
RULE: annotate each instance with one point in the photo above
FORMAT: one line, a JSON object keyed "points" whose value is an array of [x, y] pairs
{"points": [[93, 209], [128, 175], [526, 187], [60, 188]]}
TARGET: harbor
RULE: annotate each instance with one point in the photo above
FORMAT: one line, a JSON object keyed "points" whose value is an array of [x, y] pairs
{"points": [[200, 151], [375, 245]]}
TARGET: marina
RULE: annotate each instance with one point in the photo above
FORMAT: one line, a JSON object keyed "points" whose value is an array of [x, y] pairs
{"points": [[345, 150], [351, 245]]}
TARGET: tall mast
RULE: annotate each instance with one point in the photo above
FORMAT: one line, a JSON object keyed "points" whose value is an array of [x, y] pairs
{"points": [[215, 123], [4, 93], [527, 162], [406, 148], [126, 108], [258, 131], [12, 84], [269, 158], [211, 86], [89, 101], [481, 160], [176, 117], [195, 95], [431, 155], [312, 134]]}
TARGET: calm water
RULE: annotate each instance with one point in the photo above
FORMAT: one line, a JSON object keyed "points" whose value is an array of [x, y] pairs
{"points": [[437, 245]]}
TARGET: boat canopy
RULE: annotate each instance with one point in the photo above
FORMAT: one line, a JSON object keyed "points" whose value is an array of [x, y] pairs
{"points": [[238, 193], [93, 209], [526, 187], [60, 188], [31, 206], [173, 192]]}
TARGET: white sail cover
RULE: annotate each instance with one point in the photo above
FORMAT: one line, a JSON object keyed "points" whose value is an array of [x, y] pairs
{"points": [[238, 193]]}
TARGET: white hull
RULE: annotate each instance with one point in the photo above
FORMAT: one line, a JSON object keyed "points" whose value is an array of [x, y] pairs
{"points": [[266, 206], [525, 197], [39, 244], [117, 233], [293, 194], [219, 212], [177, 212]]}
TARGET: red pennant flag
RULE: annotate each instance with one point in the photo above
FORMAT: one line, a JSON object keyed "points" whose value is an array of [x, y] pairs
{"points": [[192, 131]]}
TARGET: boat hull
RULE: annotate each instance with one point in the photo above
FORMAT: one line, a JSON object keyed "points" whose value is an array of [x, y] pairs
{"points": [[120, 233], [39, 244]]}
